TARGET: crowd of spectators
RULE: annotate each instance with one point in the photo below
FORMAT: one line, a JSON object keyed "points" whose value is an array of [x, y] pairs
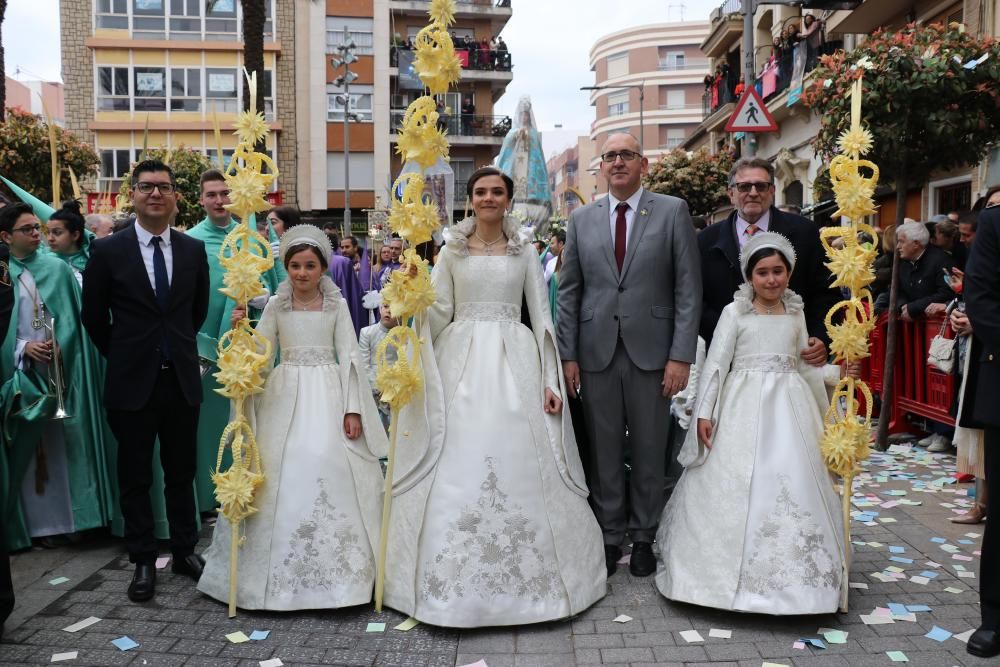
{"points": [[487, 54]]}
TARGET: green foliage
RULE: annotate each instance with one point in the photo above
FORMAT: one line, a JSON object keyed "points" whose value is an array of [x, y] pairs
{"points": [[699, 178], [926, 110], [188, 166], [25, 157]]}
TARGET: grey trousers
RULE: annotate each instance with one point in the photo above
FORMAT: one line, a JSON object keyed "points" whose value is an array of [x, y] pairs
{"points": [[618, 399]]}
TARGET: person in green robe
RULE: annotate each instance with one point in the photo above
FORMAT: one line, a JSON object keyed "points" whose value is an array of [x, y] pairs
{"points": [[212, 231], [70, 240], [54, 467]]}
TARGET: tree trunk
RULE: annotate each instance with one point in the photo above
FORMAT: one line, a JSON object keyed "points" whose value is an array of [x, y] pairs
{"points": [[888, 390], [3, 66], [254, 15]]}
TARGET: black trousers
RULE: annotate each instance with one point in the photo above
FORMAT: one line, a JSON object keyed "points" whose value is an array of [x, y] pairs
{"points": [[168, 416], [6, 585], [989, 563]]}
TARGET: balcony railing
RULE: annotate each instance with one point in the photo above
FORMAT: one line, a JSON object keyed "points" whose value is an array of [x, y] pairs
{"points": [[484, 60], [679, 107], [666, 66], [484, 3], [462, 125], [730, 7]]}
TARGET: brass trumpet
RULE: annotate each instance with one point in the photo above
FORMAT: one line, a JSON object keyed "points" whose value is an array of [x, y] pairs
{"points": [[56, 378]]}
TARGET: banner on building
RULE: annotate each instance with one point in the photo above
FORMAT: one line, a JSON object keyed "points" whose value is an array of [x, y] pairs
{"points": [[408, 79]]}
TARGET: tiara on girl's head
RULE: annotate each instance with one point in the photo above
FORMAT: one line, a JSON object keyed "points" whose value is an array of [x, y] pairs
{"points": [[308, 234], [762, 240]]}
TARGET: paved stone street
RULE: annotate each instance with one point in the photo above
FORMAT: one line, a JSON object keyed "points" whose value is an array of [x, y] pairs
{"points": [[182, 627]]}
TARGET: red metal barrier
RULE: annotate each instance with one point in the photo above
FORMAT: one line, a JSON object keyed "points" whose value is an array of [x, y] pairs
{"points": [[920, 390]]}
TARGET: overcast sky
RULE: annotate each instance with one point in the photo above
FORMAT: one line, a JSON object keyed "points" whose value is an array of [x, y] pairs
{"points": [[549, 41]]}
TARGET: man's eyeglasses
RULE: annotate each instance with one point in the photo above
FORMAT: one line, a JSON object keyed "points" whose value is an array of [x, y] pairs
{"points": [[27, 229], [612, 156], [146, 187], [745, 187]]}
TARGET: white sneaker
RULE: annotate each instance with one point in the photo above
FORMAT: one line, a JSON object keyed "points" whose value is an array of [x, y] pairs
{"points": [[940, 444], [926, 442]]}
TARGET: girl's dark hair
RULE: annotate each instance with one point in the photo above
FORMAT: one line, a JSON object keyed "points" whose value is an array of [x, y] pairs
{"points": [[764, 253], [299, 247], [288, 215], [489, 171], [72, 217]]}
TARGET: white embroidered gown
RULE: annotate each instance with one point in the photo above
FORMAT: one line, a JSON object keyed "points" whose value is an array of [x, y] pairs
{"points": [[490, 524], [754, 524], [312, 544]]}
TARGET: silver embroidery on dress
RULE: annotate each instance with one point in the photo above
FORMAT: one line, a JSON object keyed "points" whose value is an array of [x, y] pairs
{"points": [[489, 552], [491, 311], [788, 551], [766, 363], [323, 551], [308, 356]]}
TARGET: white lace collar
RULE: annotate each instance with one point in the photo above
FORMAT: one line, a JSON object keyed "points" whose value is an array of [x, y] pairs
{"points": [[743, 298], [331, 294], [457, 236]]}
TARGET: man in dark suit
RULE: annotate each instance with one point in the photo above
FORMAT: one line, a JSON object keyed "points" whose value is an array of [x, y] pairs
{"points": [[751, 190], [145, 296], [982, 303], [922, 270]]}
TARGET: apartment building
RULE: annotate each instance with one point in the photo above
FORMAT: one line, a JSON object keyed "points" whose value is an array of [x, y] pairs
{"points": [[571, 180], [649, 80], [170, 68]]}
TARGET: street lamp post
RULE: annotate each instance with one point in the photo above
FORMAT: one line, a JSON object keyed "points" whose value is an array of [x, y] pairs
{"points": [[642, 98], [344, 58]]}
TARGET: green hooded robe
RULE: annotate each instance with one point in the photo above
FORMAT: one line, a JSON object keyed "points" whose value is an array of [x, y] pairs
{"points": [[26, 406]]}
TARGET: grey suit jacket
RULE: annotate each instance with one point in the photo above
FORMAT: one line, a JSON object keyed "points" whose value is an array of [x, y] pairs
{"points": [[654, 302]]}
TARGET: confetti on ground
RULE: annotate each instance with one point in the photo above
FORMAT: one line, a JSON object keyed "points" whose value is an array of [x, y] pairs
{"points": [[691, 636], [917, 607], [773, 664], [58, 580], [872, 619], [478, 663], [896, 550], [858, 585], [624, 560], [923, 581], [273, 662], [237, 637], [952, 589], [897, 609], [69, 655], [835, 636], [928, 574], [622, 619], [817, 643], [125, 643], [162, 562], [964, 636], [973, 535], [407, 625], [375, 627], [259, 635], [80, 625], [799, 646], [897, 656], [900, 559], [938, 634], [720, 634]]}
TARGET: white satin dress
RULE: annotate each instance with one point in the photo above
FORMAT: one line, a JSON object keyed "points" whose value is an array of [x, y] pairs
{"points": [[490, 524], [755, 524]]}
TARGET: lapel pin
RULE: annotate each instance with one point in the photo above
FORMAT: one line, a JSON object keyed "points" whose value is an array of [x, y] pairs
{"points": [[643, 212]]}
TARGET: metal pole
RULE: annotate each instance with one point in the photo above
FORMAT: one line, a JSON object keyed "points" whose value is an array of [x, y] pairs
{"points": [[749, 68], [642, 124], [346, 231]]}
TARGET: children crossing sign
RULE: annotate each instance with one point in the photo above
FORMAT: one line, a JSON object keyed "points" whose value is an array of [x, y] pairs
{"points": [[751, 115]]}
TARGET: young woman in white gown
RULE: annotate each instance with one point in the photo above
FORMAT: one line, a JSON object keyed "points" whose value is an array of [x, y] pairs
{"points": [[489, 522], [311, 545], [754, 524]]}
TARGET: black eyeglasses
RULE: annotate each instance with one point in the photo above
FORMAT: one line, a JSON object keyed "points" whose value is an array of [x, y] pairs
{"points": [[145, 187], [745, 187], [27, 229], [612, 156]]}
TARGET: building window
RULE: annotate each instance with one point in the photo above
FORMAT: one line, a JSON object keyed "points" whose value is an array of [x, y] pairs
{"points": [[150, 89], [672, 60], [185, 19], [112, 14], [115, 164], [221, 90], [361, 103], [221, 23], [362, 171], [617, 65], [675, 137], [148, 20], [185, 89], [359, 31], [112, 89], [618, 104], [675, 99]]}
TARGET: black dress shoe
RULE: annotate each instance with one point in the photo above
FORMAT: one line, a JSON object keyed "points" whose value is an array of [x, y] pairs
{"points": [[612, 554], [190, 566], [143, 584], [642, 562], [984, 643]]}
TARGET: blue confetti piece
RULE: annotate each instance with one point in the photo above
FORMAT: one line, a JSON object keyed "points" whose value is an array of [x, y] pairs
{"points": [[896, 550]]}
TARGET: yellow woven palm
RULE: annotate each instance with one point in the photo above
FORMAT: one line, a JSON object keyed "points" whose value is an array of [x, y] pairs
{"points": [[412, 217]]}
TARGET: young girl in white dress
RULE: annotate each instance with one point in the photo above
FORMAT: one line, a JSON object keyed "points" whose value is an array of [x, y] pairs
{"points": [[754, 524], [311, 545], [489, 523]]}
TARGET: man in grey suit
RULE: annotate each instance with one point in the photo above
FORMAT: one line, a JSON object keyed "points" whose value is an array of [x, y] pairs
{"points": [[629, 306]]}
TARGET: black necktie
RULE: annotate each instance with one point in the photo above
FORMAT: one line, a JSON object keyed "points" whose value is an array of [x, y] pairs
{"points": [[162, 290]]}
